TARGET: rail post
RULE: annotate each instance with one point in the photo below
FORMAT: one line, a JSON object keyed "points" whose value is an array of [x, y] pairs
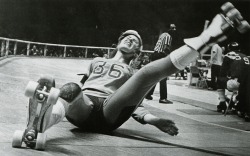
{"points": [[86, 52], [2, 48], [7, 48], [64, 52], [15, 48], [28, 49]]}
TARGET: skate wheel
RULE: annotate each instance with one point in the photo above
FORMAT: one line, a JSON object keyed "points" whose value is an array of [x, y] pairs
{"points": [[243, 27], [53, 95], [227, 7], [234, 15], [49, 80], [17, 139], [31, 89], [40, 141]]}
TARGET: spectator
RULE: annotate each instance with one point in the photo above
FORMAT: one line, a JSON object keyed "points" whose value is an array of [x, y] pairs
{"points": [[34, 51], [182, 73], [105, 56], [216, 62]]}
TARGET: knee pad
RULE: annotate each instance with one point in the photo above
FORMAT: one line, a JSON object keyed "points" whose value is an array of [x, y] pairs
{"points": [[69, 91], [233, 85]]}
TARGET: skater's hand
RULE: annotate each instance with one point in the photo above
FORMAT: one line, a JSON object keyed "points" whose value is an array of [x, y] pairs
{"points": [[166, 126]]}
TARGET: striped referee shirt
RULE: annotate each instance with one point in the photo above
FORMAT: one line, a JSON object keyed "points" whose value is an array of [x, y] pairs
{"points": [[163, 42]]}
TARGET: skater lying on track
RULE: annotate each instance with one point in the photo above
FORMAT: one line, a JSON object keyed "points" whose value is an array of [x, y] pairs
{"points": [[110, 94]]}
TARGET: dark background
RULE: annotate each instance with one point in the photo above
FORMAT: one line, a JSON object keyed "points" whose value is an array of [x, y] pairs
{"points": [[100, 22]]}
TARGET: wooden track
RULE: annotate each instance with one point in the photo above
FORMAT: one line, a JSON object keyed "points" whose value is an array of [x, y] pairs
{"points": [[195, 138]]}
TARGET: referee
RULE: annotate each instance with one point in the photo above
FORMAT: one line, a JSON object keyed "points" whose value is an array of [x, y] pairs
{"points": [[162, 49]]}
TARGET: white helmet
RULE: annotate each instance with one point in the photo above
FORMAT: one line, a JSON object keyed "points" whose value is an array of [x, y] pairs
{"points": [[132, 32]]}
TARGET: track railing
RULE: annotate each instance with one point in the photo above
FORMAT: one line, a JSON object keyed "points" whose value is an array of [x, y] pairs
{"points": [[29, 48]]}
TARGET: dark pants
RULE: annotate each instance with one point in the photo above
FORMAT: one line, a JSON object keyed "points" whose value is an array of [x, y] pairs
{"points": [[163, 89], [215, 72], [163, 83], [243, 94]]}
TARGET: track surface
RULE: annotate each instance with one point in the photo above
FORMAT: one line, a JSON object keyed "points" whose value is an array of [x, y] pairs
{"points": [[202, 132]]}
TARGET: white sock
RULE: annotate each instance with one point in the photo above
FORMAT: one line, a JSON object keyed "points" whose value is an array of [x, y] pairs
{"points": [[57, 115], [183, 56]]}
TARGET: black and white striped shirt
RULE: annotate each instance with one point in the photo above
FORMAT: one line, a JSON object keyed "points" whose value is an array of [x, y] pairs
{"points": [[163, 42]]}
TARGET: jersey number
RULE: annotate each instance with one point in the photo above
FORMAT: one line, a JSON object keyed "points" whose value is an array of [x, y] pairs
{"points": [[238, 57], [113, 71], [246, 60]]}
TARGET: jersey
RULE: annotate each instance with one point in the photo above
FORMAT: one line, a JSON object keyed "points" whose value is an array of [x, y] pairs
{"points": [[235, 65], [164, 42], [105, 77]]}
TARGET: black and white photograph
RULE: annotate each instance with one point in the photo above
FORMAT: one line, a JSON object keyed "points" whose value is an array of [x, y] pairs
{"points": [[124, 77]]}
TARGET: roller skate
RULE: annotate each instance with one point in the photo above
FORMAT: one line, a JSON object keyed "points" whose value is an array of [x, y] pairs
{"points": [[232, 103], [233, 19], [42, 95], [222, 107], [225, 25]]}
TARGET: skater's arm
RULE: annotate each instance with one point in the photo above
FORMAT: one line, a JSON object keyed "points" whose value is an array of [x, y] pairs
{"points": [[84, 78], [165, 125], [143, 116], [139, 114]]}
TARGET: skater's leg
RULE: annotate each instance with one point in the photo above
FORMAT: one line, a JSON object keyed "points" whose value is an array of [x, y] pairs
{"points": [[73, 104], [126, 99]]}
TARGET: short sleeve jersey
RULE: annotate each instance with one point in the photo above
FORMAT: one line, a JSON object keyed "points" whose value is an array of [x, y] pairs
{"points": [[235, 65], [106, 76]]}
